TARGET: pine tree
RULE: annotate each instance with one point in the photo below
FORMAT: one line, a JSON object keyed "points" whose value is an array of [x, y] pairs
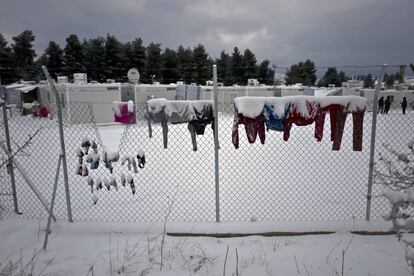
{"points": [[202, 64], [7, 70], [303, 72], [24, 54], [169, 66], [224, 73], [399, 77], [113, 58], [265, 73], [249, 65], [369, 81], [95, 59], [389, 80], [185, 60], [342, 78], [295, 74], [237, 67], [331, 76], [136, 58], [54, 56], [154, 61], [38, 71], [73, 56], [309, 73]]}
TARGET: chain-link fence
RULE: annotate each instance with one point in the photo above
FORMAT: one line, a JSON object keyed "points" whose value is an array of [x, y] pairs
{"points": [[40, 156], [300, 179], [303, 179], [394, 130]]}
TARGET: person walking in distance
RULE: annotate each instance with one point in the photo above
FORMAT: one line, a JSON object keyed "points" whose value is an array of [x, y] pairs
{"points": [[387, 104], [381, 105], [404, 104]]}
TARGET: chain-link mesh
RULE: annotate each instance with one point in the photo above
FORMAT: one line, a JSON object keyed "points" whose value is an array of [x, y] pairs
{"points": [[394, 130], [39, 158], [176, 173], [300, 179]]}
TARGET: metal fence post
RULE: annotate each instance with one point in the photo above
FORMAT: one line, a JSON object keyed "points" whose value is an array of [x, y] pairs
{"points": [[62, 140], [216, 143], [52, 204], [372, 149], [10, 167]]}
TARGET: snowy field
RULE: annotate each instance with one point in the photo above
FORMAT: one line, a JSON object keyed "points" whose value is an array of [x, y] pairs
{"points": [[86, 248], [276, 188], [296, 180]]}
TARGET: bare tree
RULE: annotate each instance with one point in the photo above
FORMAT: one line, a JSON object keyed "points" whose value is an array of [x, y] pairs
{"points": [[396, 172], [20, 147]]}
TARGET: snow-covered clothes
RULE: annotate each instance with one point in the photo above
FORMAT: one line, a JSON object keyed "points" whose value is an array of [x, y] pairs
{"points": [[197, 114], [301, 111], [141, 158], [338, 114], [272, 120], [85, 144], [80, 154], [203, 116], [254, 127], [124, 112], [303, 118], [158, 117]]}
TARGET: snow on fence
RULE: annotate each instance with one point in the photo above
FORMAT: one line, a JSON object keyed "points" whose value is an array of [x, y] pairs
{"points": [[300, 179]]}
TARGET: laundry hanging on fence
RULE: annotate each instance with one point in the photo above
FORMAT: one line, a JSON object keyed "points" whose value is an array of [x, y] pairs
{"points": [[274, 121], [303, 112], [280, 113], [254, 127], [124, 112], [203, 116], [141, 158], [93, 158], [198, 114]]}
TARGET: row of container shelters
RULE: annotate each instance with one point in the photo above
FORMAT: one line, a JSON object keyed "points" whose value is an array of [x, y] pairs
{"points": [[80, 100]]}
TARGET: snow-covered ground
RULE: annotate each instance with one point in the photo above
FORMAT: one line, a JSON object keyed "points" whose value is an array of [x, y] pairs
{"points": [[135, 249], [281, 181]]}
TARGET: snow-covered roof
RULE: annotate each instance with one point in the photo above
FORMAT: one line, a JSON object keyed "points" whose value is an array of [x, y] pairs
{"points": [[27, 88], [15, 85], [326, 91]]}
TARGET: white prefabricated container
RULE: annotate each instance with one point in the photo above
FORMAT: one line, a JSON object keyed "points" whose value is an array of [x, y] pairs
{"points": [[99, 96], [80, 78], [188, 92], [144, 92], [62, 79], [227, 94]]}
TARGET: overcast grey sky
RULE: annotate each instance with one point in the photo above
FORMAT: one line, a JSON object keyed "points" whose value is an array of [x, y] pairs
{"points": [[328, 32]]}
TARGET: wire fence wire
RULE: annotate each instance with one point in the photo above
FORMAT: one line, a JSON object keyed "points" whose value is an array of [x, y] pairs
{"points": [[300, 179]]}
